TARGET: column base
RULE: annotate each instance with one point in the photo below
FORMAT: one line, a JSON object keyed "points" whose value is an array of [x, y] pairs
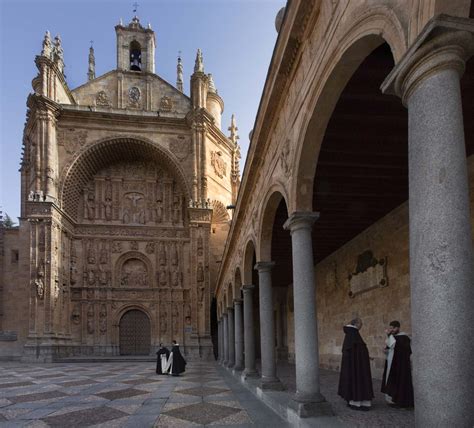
{"points": [[237, 369], [250, 374], [308, 409], [271, 384], [230, 364]]}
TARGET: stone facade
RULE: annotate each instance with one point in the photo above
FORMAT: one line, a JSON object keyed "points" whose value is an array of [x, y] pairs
{"points": [[125, 181]]}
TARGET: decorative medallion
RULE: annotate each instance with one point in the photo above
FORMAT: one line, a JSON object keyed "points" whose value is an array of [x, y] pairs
{"points": [[134, 96], [220, 166]]}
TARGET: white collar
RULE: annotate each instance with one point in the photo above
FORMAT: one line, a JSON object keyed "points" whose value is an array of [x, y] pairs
{"points": [[353, 326]]}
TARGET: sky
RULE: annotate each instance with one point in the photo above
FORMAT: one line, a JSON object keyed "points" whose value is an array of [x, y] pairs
{"points": [[237, 38]]}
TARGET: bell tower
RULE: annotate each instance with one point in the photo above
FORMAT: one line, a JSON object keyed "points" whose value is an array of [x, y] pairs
{"points": [[135, 47]]}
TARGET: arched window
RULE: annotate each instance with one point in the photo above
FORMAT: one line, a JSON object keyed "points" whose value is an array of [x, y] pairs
{"points": [[135, 56]]}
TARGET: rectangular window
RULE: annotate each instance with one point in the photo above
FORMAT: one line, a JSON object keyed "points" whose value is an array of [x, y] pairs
{"points": [[15, 256]]}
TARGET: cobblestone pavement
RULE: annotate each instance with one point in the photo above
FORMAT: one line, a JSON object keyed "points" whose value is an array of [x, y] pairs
{"points": [[118, 394], [380, 416]]}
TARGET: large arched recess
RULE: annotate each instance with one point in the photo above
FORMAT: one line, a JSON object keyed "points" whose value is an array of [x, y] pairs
{"points": [[109, 151]]}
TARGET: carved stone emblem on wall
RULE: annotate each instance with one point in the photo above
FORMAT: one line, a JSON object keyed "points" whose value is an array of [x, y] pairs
{"points": [[134, 273], [134, 245], [102, 99], [285, 162], [166, 103], [116, 247], [71, 140], [150, 247], [134, 96], [220, 166], [370, 273]]}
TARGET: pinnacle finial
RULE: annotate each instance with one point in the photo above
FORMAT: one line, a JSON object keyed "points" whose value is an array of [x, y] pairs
{"points": [[179, 69], [199, 64], [58, 53], [212, 86], [47, 49], [91, 69], [233, 130]]}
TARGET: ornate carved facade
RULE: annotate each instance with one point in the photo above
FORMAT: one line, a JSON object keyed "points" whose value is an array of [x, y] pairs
{"points": [[116, 231]]}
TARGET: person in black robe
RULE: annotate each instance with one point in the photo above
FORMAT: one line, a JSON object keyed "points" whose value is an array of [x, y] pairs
{"points": [[397, 383], [162, 359], [176, 360], [355, 380]]}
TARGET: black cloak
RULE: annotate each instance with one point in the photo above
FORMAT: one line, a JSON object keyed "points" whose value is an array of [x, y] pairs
{"points": [[179, 363], [355, 380], [399, 384], [160, 352]]}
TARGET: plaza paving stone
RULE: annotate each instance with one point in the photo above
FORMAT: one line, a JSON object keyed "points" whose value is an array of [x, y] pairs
{"points": [[118, 394]]}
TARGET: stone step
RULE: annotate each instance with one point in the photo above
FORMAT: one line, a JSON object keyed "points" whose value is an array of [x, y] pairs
{"points": [[95, 359]]}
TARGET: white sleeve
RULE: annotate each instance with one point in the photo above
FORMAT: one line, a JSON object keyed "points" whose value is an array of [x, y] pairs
{"points": [[390, 342]]}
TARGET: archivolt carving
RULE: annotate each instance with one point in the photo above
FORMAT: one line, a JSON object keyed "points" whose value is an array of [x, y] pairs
{"points": [[219, 212], [103, 153], [133, 269]]}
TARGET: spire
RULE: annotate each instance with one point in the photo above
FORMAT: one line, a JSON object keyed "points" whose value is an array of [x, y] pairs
{"points": [[199, 65], [47, 49], [179, 78], [233, 130], [212, 86], [91, 70]]}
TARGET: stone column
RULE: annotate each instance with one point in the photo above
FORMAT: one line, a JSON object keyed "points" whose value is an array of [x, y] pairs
{"points": [[219, 340], [308, 398], [231, 336], [239, 335], [267, 327], [441, 268], [226, 339], [249, 332]]}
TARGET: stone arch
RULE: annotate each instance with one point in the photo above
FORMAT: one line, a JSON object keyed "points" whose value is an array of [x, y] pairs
{"points": [[120, 312], [102, 153], [247, 267], [132, 255], [269, 207], [368, 28]]}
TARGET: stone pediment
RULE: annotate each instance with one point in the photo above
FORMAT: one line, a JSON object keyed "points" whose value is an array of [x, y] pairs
{"points": [[133, 91]]}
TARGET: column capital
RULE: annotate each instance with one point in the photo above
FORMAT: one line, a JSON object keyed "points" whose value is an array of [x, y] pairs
{"points": [[249, 287], [224, 315], [446, 42], [237, 302], [264, 266], [230, 308], [300, 220]]}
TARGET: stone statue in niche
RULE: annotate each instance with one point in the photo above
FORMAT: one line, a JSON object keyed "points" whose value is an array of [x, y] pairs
{"points": [[134, 208], [200, 273], [159, 211], [91, 276], [201, 294], [90, 294], [39, 281], [175, 318], [103, 319], [187, 313], [150, 248], [103, 277], [176, 209], [116, 247], [108, 202], [91, 253], [174, 255], [89, 204], [90, 319], [73, 272], [134, 245], [163, 276], [76, 315], [162, 254], [103, 258], [163, 321], [175, 277], [134, 273]]}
